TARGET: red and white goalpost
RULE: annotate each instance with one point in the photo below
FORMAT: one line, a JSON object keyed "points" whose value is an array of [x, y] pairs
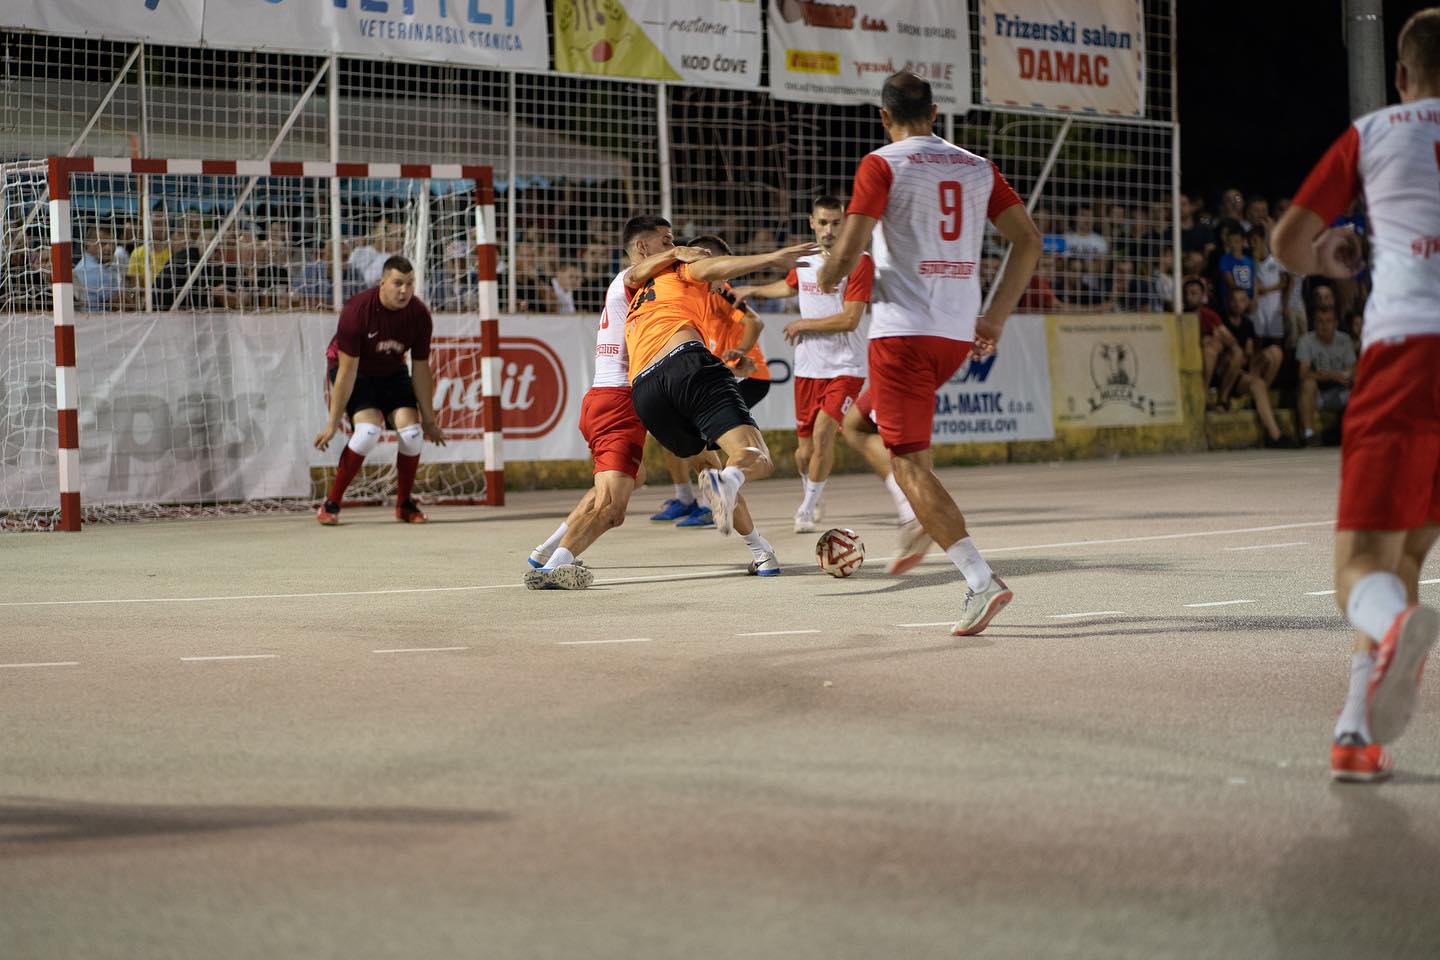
{"points": [[236, 323]]}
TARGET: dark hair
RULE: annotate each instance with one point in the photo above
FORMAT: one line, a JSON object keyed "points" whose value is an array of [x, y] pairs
{"points": [[638, 226], [1229, 226], [827, 200], [906, 97], [1419, 43], [709, 241], [397, 263], [1193, 280]]}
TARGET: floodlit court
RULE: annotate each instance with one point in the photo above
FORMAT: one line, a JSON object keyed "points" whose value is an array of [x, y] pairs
{"points": [[262, 738]]}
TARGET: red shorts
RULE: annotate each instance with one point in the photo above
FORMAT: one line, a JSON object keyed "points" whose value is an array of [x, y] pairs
{"points": [[1390, 452], [905, 372], [833, 395], [609, 423]]}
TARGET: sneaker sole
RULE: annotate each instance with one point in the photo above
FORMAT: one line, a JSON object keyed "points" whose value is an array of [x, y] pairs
{"points": [[1393, 700], [902, 564], [561, 578], [996, 604], [805, 528], [1360, 776], [327, 523]]}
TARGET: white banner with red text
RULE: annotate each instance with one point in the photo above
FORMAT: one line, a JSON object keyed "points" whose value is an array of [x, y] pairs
{"points": [[1061, 55]]}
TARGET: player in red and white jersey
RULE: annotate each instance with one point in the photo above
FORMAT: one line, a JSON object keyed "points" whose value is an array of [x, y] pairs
{"points": [[1389, 511], [921, 203], [607, 417], [829, 352]]}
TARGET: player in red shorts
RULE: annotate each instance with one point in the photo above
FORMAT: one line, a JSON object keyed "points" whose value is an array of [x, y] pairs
{"points": [[607, 417], [921, 203], [1389, 514], [829, 353]]}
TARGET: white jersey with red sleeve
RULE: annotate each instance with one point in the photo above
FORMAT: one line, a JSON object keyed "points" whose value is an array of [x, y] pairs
{"points": [[931, 199], [824, 356], [612, 363], [1393, 156]]}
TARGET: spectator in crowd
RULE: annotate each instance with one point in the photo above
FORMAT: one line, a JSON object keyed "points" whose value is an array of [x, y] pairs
{"points": [[1271, 286], [989, 268], [1215, 341], [312, 285], [1236, 268], [1192, 264], [1128, 292], [1241, 333], [455, 286], [1116, 229], [1154, 231], [1257, 211], [1232, 207], [1162, 281], [367, 259], [1041, 297], [1084, 240], [155, 256], [1354, 323], [1078, 285], [1196, 235], [99, 280], [530, 281], [1327, 368], [564, 285]]}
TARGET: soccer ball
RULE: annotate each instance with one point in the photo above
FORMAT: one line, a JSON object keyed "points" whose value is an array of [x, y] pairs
{"points": [[839, 552]]}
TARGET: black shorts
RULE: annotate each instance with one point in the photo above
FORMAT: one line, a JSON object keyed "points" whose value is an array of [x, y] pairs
{"points": [[753, 391], [688, 399], [385, 394]]}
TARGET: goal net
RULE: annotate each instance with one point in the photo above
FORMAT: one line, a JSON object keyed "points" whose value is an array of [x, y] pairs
{"points": [[164, 326]]}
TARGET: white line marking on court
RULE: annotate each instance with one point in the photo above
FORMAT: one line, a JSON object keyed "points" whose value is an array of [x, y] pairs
{"points": [[1092, 613], [420, 650], [1436, 580], [1320, 593], [776, 633], [1219, 603], [577, 643], [22, 666], [1161, 536], [937, 623], [237, 656], [1271, 546]]}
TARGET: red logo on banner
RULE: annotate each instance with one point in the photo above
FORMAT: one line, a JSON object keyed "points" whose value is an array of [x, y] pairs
{"points": [[533, 388]]}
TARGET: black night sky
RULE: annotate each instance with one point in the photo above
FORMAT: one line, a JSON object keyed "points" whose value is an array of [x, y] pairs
{"points": [[1264, 89]]}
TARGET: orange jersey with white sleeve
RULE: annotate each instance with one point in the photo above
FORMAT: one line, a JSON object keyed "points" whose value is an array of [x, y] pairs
{"points": [[1393, 156], [612, 360], [931, 199], [824, 356]]}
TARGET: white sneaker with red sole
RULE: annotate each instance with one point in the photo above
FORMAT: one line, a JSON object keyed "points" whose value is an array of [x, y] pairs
{"points": [[1396, 677], [980, 608]]}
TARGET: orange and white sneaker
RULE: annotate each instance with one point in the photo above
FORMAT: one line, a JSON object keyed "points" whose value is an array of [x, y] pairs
{"points": [[1352, 760], [980, 608], [329, 513], [914, 543], [1398, 665], [407, 512]]}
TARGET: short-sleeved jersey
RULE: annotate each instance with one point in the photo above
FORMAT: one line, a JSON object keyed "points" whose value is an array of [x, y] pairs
{"points": [[1236, 273], [1392, 155], [827, 355], [931, 199], [1337, 356], [380, 336], [661, 306], [612, 360], [724, 327]]}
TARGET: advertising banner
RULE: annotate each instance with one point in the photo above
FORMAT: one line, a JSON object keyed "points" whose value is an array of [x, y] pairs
{"points": [[1061, 55], [704, 42], [1115, 371], [842, 52], [486, 33], [1005, 396], [162, 21]]}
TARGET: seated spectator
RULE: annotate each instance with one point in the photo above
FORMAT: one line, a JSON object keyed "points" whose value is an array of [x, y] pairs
{"points": [[1196, 236], [99, 280], [1240, 345], [1079, 286], [1354, 324], [154, 257], [1162, 282], [1272, 364], [563, 287], [1192, 264], [1083, 239], [312, 284], [1236, 268], [367, 258], [1040, 295], [1327, 368], [1116, 229], [1128, 292], [455, 286], [1214, 341]]}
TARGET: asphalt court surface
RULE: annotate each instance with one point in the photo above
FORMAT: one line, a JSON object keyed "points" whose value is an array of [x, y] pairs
{"points": [[260, 738]]}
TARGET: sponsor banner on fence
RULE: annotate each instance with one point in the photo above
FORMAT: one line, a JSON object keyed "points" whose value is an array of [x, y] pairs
{"points": [[489, 33], [1115, 371], [842, 52], [1001, 397], [163, 21], [1061, 55], [704, 42]]}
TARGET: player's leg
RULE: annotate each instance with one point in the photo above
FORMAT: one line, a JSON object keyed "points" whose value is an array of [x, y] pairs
{"points": [[541, 554], [610, 496], [411, 438], [367, 423]]}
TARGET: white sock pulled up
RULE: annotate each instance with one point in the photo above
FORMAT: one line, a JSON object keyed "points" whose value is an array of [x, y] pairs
{"points": [[966, 556]]}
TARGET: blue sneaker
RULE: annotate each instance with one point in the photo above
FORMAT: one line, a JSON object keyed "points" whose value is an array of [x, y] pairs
{"points": [[672, 510], [699, 519]]}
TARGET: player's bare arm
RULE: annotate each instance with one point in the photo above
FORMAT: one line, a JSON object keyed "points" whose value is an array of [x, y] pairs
{"points": [[1016, 226], [712, 269], [652, 265], [779, 290], [753, 327], [845, 256], [340, 391], [1304, 245], [843, 322], [423, 379]]}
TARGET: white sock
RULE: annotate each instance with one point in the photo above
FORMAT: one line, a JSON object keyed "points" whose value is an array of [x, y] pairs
{"points": [[967, 557], [562, 555], [758, 545], [1352, 717], [684, 493], [1375, 601], [734, 474], [554, 539], [813, 489], [902, 503]]}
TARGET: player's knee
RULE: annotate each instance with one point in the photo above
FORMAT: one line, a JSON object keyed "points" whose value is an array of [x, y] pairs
{"points": [[412, 440], [363, 440]]}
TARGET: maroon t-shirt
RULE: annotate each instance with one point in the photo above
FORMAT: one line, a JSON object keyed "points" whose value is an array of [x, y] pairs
{"points": [[380, 337]]}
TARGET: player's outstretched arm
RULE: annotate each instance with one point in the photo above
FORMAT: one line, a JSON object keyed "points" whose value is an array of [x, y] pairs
{"points": [[778, 290], [1016, 226], [653, 265], [723, 268], [423, 380], [1304, 245], [339, 396], [854, 238]]}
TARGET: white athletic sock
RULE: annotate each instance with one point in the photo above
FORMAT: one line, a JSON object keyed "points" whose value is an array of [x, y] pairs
{"points": [[1375, 601], [561, 555], [967, 557], [734, 474], [1352, 717], [684, 493], [902, 503], [554, 539], [758, 545], [813, 489]]}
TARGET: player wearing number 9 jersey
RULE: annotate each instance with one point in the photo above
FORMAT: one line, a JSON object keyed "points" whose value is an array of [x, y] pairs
{"points": [[921, 203], [1389, 512]]}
